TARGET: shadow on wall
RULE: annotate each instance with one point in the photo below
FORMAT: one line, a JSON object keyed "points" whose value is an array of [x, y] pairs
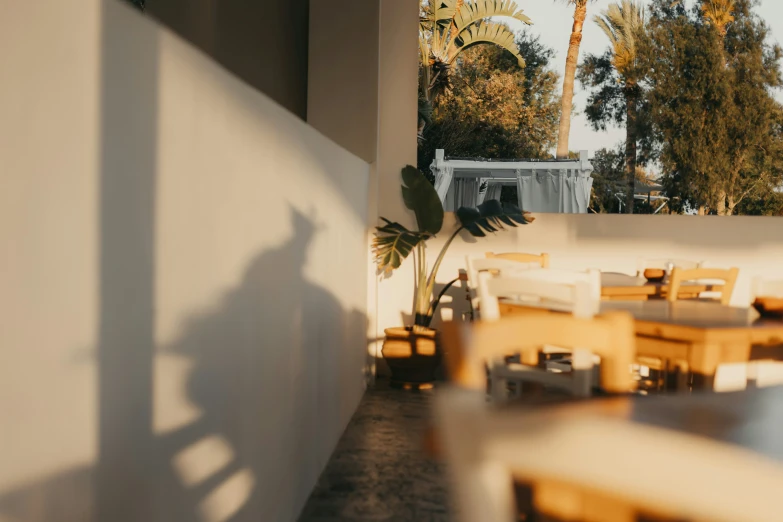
{"points": [[256, 381], [272, 57], [268, 394]]}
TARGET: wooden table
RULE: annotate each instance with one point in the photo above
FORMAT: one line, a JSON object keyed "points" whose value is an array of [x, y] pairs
{"points": [[702, 334], [712, 456], [698, 336], [624, 287]]}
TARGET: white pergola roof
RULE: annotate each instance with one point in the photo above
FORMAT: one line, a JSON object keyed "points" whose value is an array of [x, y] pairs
{"points": [[567, 188]]}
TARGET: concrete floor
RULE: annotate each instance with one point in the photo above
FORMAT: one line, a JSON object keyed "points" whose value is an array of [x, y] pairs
{"points": [[379, 470]]}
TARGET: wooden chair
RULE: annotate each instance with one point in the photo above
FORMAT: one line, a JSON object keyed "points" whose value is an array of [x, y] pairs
{"points": [[469, 347], [765, 373], [679, 276], [643, 264], [577, 293], [581, 462], [494, 266], [561, 277], [572, 292], [519, 257]]}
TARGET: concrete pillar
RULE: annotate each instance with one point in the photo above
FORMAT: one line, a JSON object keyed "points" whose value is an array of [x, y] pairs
{"points": [[362, 93], [397, 103], [342, 100], [397, 109]]}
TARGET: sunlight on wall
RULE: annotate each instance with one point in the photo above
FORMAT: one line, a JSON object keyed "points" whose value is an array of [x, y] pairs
{"points": [[202, 459], [251, 230], [225, 500]]}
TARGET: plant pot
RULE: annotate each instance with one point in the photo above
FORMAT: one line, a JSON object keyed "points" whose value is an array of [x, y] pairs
{"points": [[412, 355]]}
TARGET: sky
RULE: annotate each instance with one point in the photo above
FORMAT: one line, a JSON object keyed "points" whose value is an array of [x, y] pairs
{"points": [[552, 20]]}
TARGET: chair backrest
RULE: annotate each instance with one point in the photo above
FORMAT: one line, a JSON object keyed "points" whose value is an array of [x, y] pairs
{"points": [[519, 257], [679, 276], [643, 264], [469, 346], [495, 266], [578, 460], [568, 292], [568, 277]]}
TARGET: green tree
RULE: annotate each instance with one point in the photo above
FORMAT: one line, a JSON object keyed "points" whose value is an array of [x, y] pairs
{"points": [[614, 79], [608, 181], [714, 120], [572, 59], [719, 14], [449, 27], [495, 109]]}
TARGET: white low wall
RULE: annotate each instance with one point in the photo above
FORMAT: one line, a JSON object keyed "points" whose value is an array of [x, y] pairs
{"points": [[183, 279], [612, 243], [609, 243], [617, 242]]}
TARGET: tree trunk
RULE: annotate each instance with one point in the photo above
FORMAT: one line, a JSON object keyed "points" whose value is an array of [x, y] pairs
{"points": [[567, 103], [731, 203], [720, 207], [630, 145]]}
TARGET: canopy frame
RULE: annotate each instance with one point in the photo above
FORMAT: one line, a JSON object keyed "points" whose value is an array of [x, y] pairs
{"points": [[448, 172]]}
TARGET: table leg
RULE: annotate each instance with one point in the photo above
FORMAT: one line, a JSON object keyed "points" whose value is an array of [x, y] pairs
{"points": [[704, 359], [702, 381], [677, 378]]}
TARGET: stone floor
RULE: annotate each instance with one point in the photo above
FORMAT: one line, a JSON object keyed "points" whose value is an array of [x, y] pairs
{"points": [[379, 470]]}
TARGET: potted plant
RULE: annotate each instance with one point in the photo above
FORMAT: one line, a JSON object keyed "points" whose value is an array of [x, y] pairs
{"points": [[411, 351]]}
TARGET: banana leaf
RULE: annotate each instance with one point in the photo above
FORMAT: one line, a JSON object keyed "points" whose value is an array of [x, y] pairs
{"points": [[420, 196], [492, 216], [393, 243]]}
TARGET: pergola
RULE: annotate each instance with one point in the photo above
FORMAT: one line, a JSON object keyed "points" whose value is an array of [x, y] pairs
{"points": [[561, 186]]}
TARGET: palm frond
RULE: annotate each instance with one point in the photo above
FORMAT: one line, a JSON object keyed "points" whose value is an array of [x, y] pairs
{"points": [[493, 33], [393, 243], [718, 13], [479, 10], [622, 24], [492, 216]]}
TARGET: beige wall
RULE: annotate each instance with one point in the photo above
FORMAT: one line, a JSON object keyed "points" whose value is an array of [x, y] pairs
{"points": [[264, 42], [397, 140], [180, 339], [343, 73]]}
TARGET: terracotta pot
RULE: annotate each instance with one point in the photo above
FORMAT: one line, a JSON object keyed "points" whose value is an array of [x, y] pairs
{"points": [[412, 355]]}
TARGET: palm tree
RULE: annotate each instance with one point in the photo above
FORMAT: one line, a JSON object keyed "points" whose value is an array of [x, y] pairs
{"points": [[718, 14], [567, 101], [623, 24], [448, 27]]}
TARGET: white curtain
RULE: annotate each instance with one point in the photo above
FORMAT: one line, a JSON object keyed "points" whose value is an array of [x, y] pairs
{"points": [[466, 192], [563, 191], [443, 178], [493, 191]]}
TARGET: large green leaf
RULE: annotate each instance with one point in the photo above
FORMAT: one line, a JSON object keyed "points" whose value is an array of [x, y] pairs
{"points": [[393, 243], [492, 216], [420, 196]]}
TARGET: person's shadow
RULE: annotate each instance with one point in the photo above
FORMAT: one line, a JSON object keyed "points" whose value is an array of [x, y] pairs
{"points": [[268, 381], [289, 340]]}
